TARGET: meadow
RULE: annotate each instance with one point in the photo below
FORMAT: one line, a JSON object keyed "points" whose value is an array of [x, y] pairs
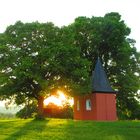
{"points": [[64, 129]]}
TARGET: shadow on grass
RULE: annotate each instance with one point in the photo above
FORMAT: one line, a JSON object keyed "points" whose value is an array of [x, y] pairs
{"points": [[63, 129], [36, 126]]}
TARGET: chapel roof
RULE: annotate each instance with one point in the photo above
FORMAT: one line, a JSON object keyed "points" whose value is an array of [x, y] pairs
{"points": [[100, 83]]}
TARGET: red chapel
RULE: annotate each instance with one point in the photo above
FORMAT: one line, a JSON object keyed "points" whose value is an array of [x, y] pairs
{"points": [[100, 105]]}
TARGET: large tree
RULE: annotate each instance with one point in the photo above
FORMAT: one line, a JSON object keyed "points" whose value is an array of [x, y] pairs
{"points": [[107, 37], [35, 61], [39, 58]]}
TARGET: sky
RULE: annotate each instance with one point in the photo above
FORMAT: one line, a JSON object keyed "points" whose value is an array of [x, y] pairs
{"points": [[63, 12]]}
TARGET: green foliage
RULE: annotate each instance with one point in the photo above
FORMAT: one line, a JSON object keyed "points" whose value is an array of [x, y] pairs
{"points": [[59, 112], [107, 37], [29, 111], [64, 129], [35, 62], [36, 54]]}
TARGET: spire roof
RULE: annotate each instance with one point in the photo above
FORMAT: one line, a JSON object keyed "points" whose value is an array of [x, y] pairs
{"points": [[100, 82]]}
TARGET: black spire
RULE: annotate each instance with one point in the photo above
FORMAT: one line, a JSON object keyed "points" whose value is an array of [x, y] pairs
{"points": [[100, 82]]}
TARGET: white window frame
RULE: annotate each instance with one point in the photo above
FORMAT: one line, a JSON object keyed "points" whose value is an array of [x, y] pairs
{"points": [[88, 104]]}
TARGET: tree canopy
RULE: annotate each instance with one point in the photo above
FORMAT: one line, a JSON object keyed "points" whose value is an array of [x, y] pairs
{"points": [[39, 58], [36, 62], [108, 38]]}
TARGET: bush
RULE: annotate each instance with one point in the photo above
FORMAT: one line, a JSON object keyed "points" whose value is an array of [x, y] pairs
{"points": [[28, 111], [54, 111]]}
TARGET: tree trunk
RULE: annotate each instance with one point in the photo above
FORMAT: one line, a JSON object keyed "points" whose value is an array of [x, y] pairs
{"points": [[40, 114]]}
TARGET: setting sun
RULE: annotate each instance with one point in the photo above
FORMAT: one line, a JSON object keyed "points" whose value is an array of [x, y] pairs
{"points": [[58, 100]]}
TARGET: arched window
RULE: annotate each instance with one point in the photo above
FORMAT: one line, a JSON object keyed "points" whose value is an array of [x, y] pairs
{"points": [[78, 105], [88, 104]]}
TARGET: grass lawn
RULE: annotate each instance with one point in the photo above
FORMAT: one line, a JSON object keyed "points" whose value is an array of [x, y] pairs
{"points": [[62, 129]]}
